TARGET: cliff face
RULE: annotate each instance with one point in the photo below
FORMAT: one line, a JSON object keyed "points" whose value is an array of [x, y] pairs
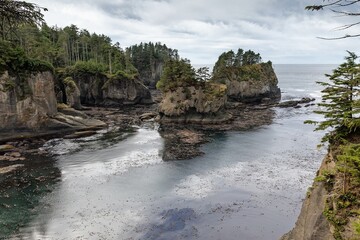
{"points": [[31, 105], [156, 72], [150, 78], [251, 83], [27, 111], [194, 105], [125, 91], [312, 224], [72, 93], [111, 91], [90, 88]]}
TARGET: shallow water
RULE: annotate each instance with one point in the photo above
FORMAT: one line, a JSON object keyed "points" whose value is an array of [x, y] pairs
{"points": [[114, 185]]}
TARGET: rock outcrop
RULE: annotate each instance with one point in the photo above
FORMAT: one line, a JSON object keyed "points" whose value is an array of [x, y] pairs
{"points": [[252, 83], [295, 103], [331, 209], [199, 105], [90, 87], [117, 90], [72, 93], [27, 111], [121, 90], [32, 106], [150, 78]]}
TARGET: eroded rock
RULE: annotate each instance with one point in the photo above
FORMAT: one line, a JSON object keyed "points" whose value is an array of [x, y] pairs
{"points": [[253, 83]]}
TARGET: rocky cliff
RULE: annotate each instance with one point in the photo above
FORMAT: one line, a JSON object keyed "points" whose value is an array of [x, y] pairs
{"points": [[252, 83], [203, 105], [151, 77], [249, 83], [122, 90], [90, 86], [312, 223], [30, 110], [332, 207], [72, 93], [30, 104], [116, 90]]}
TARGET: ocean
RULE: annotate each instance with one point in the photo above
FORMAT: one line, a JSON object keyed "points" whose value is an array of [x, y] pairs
{"points": [[248, 184]]}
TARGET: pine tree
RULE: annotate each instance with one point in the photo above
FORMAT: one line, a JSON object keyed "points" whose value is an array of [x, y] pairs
{"points": [[177, 73], [340, 105], [16, 13]]}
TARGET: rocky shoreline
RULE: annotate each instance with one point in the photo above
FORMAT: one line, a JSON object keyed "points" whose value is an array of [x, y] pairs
{"points": [[181, 141]]}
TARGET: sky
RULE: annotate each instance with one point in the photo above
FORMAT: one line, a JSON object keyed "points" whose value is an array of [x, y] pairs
{"points": [[280, 30]]}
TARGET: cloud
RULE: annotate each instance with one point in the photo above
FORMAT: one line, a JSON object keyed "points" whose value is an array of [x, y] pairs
{"points": [[281, 30]]}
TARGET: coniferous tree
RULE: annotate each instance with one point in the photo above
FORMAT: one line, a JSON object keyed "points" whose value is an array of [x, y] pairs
{"points": [[15, 13], [229, 64], [339, 104], [177, 73]]}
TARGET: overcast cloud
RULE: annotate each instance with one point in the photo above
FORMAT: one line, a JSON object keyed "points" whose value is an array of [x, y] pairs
{"points": [[281, 30]]}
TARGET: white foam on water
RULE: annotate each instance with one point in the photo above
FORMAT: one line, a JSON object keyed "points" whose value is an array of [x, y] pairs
{"points": [[100, 171], [142, 150], [276, 176]]}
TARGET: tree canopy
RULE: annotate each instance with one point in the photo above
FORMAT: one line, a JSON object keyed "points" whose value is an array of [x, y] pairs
{"points": [[340, 103], [177, 73], [147, 58], [229, 63], [16, 13]]}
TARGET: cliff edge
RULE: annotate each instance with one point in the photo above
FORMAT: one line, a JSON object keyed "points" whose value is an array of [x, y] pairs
{"points": [[312, 224], [332, 207]]}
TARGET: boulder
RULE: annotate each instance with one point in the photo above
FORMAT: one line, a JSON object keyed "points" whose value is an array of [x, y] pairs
{"points": [[148, 116]]}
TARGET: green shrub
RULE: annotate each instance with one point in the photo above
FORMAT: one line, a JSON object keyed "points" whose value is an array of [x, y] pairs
{"points": [[81, 69], [356, 225], [349, 163], [177, 73], [328, 177], [118, 76], [69, 82], [15, 61], [20, 67]]}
